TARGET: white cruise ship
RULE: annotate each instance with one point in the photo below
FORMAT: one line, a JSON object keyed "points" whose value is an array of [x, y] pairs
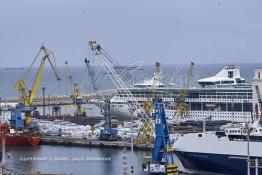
{"points": [[224, 96]]}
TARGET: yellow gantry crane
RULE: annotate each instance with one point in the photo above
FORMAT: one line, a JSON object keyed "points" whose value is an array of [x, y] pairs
{"points": [[182, 111], [25, 100], [144, 136], [76, 96]]}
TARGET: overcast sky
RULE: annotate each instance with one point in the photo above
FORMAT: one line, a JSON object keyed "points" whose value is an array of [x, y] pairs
{"points": [[172, 31]]}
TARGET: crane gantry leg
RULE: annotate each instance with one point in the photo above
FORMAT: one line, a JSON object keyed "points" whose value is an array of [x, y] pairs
{"points": [[162, 161]]}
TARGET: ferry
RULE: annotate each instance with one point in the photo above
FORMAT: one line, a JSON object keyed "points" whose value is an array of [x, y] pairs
{"points": [[224, 96], [223, 151]]}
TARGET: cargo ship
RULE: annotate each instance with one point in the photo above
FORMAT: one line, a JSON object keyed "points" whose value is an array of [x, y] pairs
{"points": [[21, 139], [223, 152], [18, 136]]}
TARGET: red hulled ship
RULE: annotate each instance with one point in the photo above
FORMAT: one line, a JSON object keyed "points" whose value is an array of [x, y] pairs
{"points": [[21, 140], [18, 137]]}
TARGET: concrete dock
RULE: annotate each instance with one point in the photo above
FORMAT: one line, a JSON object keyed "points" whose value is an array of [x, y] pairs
{"points": [[67, 141], [63, 100]]}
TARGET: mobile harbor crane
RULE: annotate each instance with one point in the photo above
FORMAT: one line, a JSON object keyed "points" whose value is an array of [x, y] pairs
{"points": [[108, 65], [25, 100], [76, 97], [108, 133], [162, 151]]}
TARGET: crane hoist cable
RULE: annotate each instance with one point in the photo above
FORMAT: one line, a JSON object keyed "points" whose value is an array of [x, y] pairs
{"points": [[108, 133], [91, 74]]}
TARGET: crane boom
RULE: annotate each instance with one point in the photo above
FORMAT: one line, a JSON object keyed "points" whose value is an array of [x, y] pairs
{"points": [[24, 99], [20, 83], [259, 98], [189, 76], [37, 80], [76, 96], [91, 73], [70, 78], [22, 94], [134, 106]]}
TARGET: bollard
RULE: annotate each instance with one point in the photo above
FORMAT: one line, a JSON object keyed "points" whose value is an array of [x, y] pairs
{"points": [[132, 169], [124, 162]]}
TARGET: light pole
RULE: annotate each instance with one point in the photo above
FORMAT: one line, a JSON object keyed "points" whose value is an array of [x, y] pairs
{"points": [[244, 114], [248, 153], [43, 88], [3, 131], [0, 106], [132, 109]]}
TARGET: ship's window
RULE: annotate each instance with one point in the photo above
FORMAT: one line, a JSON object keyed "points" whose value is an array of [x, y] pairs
{"points": [[238, 80], [227, 82]]}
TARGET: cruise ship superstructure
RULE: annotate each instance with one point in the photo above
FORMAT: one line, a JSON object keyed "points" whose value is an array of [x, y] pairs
{"points": [[224, 96]]}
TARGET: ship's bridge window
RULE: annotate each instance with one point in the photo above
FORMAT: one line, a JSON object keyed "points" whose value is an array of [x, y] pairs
{"points": [[227, 82], [238, 80]]}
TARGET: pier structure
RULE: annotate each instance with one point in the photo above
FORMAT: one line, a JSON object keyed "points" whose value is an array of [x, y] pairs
{"points": [[56, 100], [89, 142]]}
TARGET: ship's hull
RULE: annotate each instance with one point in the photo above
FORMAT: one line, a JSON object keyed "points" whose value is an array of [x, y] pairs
{"points": [[219, 163], [216, 153], [22, 140], [122, 113]]}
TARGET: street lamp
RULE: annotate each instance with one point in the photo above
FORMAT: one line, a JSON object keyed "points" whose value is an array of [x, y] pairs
{"points": [[43, 88], [248, 149], [132, 109]]}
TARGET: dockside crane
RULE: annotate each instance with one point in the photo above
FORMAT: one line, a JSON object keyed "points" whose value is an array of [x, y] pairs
{"points": [[76, 96], [122, 88], [181, 105], [25, 99], [143, 137], [162, 160], [108, 133], [162, 152]]}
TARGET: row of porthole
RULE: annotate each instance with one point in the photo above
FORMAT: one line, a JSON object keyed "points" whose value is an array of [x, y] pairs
{"points": [[143, 99], [201, 112], [121, 106], [216, 100], [201, 116], [192, 100]]}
